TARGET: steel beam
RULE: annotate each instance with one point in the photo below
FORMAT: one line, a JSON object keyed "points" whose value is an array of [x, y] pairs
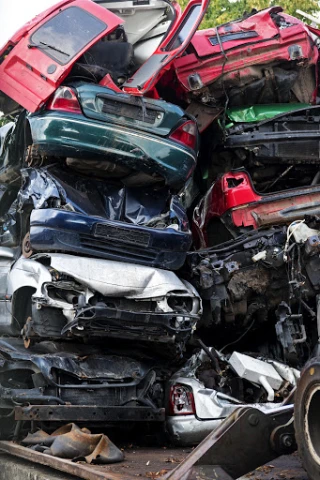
{"points": [[78, 413]]}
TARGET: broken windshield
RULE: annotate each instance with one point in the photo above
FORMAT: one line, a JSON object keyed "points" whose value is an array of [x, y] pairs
{"points": [[66, 34]]}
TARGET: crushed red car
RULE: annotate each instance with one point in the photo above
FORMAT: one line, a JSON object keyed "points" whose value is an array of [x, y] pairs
{"points": [[41, 55], [265, 57], [233, 206]]}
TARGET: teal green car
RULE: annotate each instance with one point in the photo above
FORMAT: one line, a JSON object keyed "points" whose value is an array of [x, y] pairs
{"points": [[136, 140]]}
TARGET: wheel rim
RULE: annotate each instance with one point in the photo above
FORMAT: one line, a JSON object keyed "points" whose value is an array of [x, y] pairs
{"points": [[312, 422]]}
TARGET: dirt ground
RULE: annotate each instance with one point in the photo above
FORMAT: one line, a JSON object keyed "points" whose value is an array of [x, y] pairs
{"points": [[147, 463], [283, 468]]}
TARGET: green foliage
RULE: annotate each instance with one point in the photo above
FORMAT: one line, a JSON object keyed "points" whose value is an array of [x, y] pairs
{"points": [[3, 120], [222, 11]]}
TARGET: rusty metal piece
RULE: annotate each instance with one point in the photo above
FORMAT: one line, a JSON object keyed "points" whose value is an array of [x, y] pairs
{"points": [[86, 472], [238, 433], [73, 443], [38, 437], [103, 451], [204, 114], [34, 158], [70, 413], [27, 342], [26, 246]]}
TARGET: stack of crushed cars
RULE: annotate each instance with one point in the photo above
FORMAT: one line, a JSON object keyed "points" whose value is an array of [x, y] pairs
{"points": [[159, 216]]}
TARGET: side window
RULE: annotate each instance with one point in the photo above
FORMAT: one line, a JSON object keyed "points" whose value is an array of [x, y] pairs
{"points": [[185, 28]]}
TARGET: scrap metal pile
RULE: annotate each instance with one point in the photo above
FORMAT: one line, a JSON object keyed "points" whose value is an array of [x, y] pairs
{"points": [[159, 216]]}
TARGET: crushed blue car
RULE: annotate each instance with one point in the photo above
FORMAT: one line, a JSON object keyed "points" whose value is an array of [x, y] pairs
{"points": [[86, 216]]}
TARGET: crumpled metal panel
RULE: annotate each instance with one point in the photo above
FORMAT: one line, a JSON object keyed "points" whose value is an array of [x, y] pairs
{"points": [[278, 45], [140, 303], [27, 273], [53, 187], [90, 217], [212, 404], [258, 113], [81, 361]]}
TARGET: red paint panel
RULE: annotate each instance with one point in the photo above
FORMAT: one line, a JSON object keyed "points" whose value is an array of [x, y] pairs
{"points": [[270, 45], [233, 199]]}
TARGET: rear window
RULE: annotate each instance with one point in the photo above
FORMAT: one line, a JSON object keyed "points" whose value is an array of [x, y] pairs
{"points": [[66, 34]]}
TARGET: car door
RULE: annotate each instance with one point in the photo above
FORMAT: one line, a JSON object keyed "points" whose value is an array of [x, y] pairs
{"points": [[173, 45], [40, 55]]}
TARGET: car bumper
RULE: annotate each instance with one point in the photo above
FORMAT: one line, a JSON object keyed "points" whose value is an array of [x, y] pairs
{"points": [[58, 230], [79, 137], [188, 430]]}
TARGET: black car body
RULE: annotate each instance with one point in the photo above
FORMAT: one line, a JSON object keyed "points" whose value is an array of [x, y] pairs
{"points": [[55, 383]]}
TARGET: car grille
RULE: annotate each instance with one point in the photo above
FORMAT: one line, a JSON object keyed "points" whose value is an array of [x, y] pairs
{"points": [[107, 397], [131, 252], [120, 234], [307, 150]]}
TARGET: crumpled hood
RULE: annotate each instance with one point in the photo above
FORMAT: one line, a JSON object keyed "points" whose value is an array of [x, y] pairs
{"points": [[117, 279]]}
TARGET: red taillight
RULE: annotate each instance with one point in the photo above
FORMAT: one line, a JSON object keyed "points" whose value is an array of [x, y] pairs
{"points": [[181, 400], [65, 100], [186, 134]]}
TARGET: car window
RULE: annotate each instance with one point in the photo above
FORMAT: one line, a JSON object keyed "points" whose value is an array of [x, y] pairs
{"points": [[67, 33], [185, 28], [167, 51]]}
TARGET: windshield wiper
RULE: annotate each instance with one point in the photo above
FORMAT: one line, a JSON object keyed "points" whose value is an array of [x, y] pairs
{"points": [[43, 44]]}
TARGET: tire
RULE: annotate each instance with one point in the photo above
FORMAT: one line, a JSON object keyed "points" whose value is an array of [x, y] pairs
{"points": [[307, 418]]}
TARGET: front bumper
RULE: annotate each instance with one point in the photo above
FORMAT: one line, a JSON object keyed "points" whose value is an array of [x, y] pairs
{"points": [[63, 231]]}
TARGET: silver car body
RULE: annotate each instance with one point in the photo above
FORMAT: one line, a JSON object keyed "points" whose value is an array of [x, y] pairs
{"points": [[87, 276], [211, 406]]}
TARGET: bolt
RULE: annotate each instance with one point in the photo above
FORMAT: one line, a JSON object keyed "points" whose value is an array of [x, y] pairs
{"points": [[287, 440], [253, 420]]}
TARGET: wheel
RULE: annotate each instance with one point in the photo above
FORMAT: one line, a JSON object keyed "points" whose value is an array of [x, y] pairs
{"points": [[307, 418], [26, 246]]}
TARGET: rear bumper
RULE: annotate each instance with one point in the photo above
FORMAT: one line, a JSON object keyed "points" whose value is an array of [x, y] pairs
{"points": [[79, 137], [58, 230], [188, 430]]}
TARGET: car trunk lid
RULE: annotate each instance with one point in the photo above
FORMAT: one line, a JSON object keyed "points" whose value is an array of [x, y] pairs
{"points": [[103, 104]]}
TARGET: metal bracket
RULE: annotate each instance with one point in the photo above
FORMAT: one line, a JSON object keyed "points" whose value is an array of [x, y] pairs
{"points": [[245, 440]]}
